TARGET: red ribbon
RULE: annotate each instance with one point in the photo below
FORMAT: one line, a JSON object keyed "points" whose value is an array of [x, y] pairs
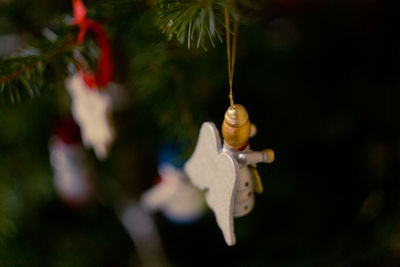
{"points": [[105, 69]]}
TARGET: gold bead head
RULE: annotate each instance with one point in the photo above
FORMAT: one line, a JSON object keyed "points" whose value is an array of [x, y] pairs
{"points": [[236, 116], [236, 127]]}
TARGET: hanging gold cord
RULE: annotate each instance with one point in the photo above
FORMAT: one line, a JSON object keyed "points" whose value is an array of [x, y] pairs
{"points": [[231, 50]]}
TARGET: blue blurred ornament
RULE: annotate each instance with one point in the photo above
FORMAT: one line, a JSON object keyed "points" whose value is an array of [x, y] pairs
{"points": [[170, 153]]}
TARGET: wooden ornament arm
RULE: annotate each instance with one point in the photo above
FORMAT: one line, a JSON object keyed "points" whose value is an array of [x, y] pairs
{"points": [[254, 157]]}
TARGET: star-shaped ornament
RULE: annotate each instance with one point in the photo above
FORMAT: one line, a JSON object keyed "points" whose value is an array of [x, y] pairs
{"points": [[91, 109]]}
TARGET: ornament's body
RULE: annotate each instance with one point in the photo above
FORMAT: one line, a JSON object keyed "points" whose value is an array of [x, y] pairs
{"points": [[91, 109], [227, 173], [244, 199]]}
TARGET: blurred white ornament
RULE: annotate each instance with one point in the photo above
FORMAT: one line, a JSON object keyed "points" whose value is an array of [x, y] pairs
{"points": [[174, 196], [71, 173], [91, 109]]}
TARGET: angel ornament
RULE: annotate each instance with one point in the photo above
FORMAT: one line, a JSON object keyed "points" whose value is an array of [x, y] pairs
{"points": [[227, 173]]}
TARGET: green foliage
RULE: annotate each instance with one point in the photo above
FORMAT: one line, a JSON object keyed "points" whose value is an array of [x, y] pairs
{"points": [[332, 195], [192, 21], [22, 75]]}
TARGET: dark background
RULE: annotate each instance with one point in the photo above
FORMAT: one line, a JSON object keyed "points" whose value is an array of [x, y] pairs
{"points": [[318, 78]]}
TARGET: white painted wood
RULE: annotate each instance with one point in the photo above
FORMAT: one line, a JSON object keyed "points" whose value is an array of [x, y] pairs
{"points": [[215, 172], [245, 200], [91, 109]]}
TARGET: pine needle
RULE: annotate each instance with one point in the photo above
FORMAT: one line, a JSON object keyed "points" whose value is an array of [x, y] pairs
{"points": [[190, 20]]}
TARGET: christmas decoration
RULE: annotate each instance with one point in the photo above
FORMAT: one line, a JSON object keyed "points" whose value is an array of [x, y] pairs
{"points": [[174, 196], [91, 109], [91, 102], [317, 79], [72, 174], [227, 172]]}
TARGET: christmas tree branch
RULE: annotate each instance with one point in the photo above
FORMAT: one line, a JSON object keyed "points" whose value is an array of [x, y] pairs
{"points": [[23, 73], [28, 63], [25, 70], [193, 21]]}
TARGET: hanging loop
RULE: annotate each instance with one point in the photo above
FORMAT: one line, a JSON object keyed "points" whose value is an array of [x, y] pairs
{"points": [[231, 50], [105, 69]]}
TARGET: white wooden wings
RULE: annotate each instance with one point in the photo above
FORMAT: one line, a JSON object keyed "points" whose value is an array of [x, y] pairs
{"points": [[215, 172]]}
